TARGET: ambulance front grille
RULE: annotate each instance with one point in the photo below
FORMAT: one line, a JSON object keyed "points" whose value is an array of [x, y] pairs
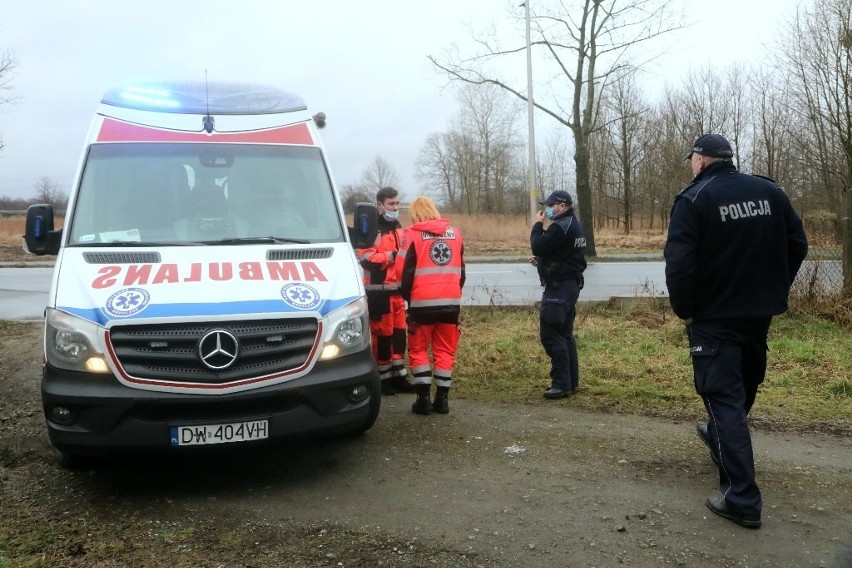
{"points": [[299, 254], [170, 352], [139, 257]]}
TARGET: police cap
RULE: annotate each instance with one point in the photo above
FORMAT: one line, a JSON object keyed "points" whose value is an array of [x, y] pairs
{"points": [[712, 145], [557, 196]]}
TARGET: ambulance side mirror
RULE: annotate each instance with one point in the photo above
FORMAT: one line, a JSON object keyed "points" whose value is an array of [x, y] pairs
{"points": [[366, 225], [39, 236]]}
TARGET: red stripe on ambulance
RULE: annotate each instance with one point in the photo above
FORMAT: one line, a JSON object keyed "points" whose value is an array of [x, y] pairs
{"points": [[119, 131]]}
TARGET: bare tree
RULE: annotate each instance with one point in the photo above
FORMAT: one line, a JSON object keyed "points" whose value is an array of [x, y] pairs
{"points": [[436, 169], [704, 105], [351, 195], [378, 175], [710, 100], [13, 203], [664, 173], [8, 63], [448, 166], [554, 170], [621, 139], [475, 166], [49, 191], [491, 120], [818, 55], [586, 43], [772, 122]]}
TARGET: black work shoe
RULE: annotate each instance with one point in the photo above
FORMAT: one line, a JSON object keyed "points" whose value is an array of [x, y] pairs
{"points": [[441, 405], [717, 504], [704, 434], [556, 392], [387, 387], [401, 384], [422, 406]]}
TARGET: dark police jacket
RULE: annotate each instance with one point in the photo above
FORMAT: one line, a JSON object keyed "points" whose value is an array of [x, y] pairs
{"points": [[734, 246], [560, 250]]}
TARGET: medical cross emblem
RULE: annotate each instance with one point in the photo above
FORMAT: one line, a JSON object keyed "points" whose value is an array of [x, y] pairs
{"points": [[441, 253]]}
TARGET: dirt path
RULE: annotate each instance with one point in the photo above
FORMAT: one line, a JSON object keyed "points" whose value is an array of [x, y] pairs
{"points": [[487, 485]]}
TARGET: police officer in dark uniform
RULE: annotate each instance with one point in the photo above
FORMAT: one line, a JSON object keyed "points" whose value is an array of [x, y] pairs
{"points": [[734, 247], [558, 254]]}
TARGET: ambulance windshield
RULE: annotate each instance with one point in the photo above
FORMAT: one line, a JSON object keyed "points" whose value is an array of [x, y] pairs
{"points": [[204, 193]]}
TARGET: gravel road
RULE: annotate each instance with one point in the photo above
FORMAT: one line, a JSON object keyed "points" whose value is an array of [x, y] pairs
{"points": [[502, 485]]}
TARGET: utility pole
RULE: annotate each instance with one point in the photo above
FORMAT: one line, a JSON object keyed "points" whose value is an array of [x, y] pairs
{"points": [[530, 121]]}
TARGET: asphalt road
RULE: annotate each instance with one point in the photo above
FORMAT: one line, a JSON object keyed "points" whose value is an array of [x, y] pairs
{"points": [[517, 283], [23, 291]]}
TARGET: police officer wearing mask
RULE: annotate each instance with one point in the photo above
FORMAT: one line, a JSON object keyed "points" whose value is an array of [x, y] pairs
{"points": [[733, 249], [558, 254]]}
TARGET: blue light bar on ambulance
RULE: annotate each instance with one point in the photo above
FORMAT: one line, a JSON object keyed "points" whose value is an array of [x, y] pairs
{"points": [[201, 98]]}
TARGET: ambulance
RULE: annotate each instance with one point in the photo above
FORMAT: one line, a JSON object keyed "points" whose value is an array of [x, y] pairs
{"points": [[206, 289]]}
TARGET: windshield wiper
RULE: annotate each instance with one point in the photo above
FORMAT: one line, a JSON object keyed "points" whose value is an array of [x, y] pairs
{"points": [[109, 244], [256, 241]]}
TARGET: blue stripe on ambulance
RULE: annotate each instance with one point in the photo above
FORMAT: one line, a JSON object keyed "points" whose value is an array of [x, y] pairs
{"points": [[248, 307]]}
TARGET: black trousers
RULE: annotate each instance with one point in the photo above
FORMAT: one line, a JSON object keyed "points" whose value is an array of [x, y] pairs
{"points": [[556, 329], [729, 364]]}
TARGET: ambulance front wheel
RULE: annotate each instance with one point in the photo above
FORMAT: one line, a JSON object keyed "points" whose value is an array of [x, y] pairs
{"points": [[73, 462], [375, 406]]}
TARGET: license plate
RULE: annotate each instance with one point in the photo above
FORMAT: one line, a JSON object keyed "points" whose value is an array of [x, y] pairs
{"points": [[206, 434]]}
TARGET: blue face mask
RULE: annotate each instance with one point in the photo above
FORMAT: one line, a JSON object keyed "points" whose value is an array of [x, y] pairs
{"points": [[548, 212], [391, 215]]}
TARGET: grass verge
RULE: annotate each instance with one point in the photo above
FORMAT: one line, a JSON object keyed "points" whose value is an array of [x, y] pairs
{"points": [[635, 360]]}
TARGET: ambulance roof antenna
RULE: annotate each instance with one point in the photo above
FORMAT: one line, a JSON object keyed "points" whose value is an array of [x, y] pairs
{"points": [[207, 121]]}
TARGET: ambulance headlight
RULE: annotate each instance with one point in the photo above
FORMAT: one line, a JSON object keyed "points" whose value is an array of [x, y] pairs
{"points": [[73, 343], [349, 330]]}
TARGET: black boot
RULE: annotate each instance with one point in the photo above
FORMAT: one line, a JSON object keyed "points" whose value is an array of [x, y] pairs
{"points": [[399, 379], [441, 404], [422, 405], [401, 384], [387, 387]]}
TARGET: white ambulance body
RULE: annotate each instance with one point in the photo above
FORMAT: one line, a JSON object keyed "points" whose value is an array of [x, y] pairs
{"points": [[205, 288]]}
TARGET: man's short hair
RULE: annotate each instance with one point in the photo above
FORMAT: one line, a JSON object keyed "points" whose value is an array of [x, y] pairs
{"points": [[386, 193]]}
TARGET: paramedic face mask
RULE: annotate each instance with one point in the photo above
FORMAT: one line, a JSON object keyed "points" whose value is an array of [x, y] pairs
{"points": [[389, 208]]}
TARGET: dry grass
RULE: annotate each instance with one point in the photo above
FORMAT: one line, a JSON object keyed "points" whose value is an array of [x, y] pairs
{"points": [[510, 234], [11, 229], [832, 307]]}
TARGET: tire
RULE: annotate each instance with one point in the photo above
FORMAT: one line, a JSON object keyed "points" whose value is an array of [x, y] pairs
{"points": [[74, 462], [375, 407]]}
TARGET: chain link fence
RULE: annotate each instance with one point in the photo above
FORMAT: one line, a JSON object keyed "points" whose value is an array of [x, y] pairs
{"points": [[821, 273]]}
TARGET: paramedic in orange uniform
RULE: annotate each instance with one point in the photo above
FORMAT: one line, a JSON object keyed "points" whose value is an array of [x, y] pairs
{"points": [[386, 306], [431, 268]]}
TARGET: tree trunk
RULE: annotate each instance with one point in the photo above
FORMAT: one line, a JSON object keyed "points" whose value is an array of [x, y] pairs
{"points": [[584, 189]]}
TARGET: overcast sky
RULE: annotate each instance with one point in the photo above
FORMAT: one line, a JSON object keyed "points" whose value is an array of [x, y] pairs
{"points": [[364, 63]]}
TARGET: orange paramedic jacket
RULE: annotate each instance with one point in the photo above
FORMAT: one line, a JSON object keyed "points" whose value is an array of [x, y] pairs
{"points": [[431, 266], [380, 275]]}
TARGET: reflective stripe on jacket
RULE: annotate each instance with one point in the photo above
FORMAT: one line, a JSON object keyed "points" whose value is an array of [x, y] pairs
{"points": [[431, 264], [380, 273]]}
